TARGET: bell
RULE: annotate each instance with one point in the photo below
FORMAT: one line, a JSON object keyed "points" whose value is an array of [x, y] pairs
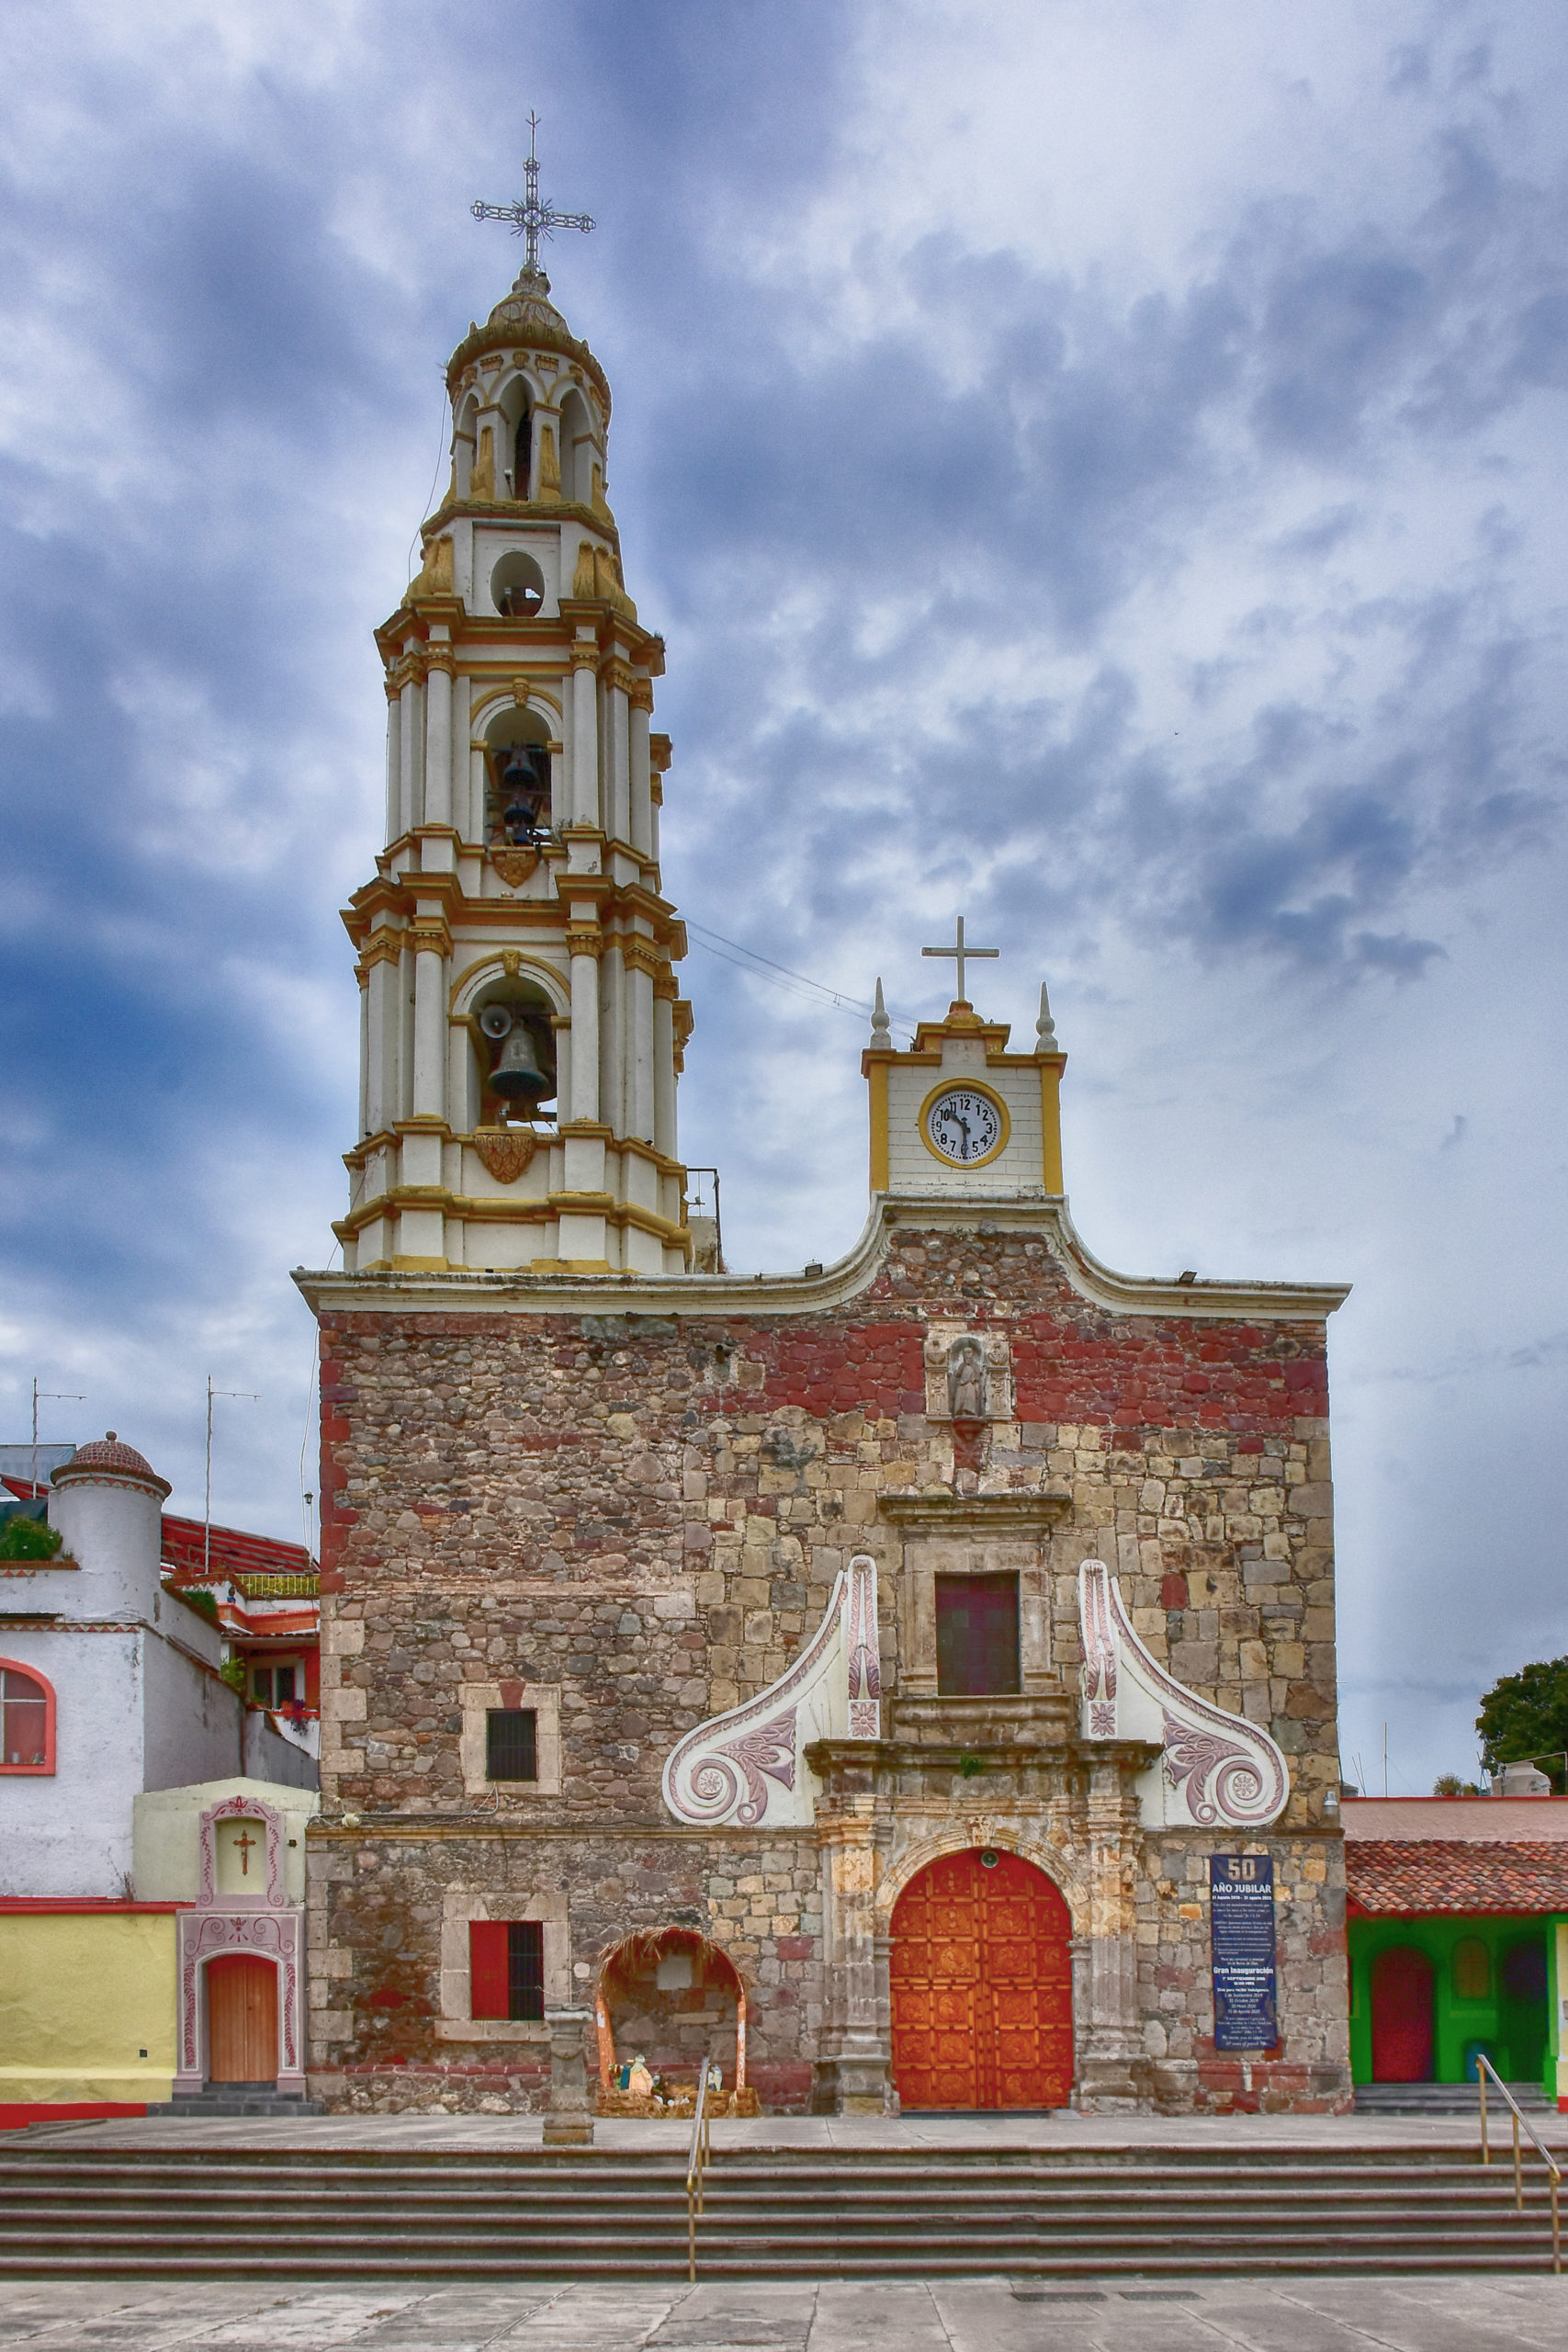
{"points": [[516, 1076]]}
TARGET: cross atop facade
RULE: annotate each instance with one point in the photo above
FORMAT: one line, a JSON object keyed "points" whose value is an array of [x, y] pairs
{"points": [[532, 219], [244, 1841], [961, 955]]}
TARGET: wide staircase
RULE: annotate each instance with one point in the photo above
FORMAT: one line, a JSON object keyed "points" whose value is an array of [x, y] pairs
{"points": [[1170, 2212]]}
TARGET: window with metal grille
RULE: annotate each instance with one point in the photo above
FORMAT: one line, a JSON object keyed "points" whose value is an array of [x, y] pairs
{"points": [[506, 1967], [511, 1745], [976, 1636]]}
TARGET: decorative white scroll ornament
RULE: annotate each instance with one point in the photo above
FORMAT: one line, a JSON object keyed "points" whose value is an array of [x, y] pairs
{"points": [[1216, 1770], [747, 1766]]}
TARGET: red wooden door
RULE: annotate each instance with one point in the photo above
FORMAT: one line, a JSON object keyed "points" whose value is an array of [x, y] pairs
{"points": [[241, 2019], [1402, 2016], [982, 1986]]}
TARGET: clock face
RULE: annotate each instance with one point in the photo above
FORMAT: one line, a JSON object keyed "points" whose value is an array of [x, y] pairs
{"points": [[963, 1125]]}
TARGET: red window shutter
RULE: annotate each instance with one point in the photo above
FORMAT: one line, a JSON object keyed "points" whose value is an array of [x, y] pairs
{"points": [[488, 1968]]}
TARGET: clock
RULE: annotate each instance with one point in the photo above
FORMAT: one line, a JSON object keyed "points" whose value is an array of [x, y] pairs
{"points": [[964, 1125]]}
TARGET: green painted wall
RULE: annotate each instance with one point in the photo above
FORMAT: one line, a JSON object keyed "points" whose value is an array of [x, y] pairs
{"points": [[1521, 2041]]}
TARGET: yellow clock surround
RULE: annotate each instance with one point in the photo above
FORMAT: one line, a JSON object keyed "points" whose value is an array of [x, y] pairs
{"points": [[955, 1085]]}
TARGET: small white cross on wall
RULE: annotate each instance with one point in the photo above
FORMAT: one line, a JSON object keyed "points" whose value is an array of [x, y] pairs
{"points": [[961, 955]]}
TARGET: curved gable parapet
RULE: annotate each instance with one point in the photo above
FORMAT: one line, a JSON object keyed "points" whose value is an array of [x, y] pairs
{"points": [[848, 1279]]}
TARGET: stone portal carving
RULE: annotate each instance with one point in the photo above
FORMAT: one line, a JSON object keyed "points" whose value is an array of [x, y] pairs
{"points": [[1216, 1770], [256, 1917], [968, 1376], [748, 1765]]}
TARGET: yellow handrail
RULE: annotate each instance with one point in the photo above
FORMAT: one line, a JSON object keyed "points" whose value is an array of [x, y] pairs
{"points": [[708, 2077], [1483, 2068]]}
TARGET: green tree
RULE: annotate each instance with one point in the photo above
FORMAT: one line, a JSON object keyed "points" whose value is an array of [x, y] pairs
{"points": [[27, 1538], [1525, 1715]]}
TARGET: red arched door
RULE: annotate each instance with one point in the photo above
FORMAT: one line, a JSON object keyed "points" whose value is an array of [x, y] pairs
{"points": [[241, 2019], [982, 1986], [1402, 2016]]}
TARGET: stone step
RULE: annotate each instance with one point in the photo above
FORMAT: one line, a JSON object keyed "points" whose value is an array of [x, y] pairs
{"points": [[1447, 2098], [326, 2214]]}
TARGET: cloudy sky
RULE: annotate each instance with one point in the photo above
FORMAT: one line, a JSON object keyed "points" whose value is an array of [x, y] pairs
{"points": [[1097, 466]]}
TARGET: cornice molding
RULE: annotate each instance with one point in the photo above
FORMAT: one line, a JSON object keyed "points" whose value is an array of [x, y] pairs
{"points": [[941, 1513], [774, 1294]]}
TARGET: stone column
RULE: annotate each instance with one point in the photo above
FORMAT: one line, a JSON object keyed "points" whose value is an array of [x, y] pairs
{"points": [[438, 737], [666, 989], [639, 712], [585, 735], [394, 758], [569, 2121], [1113, 2071], [409, 762], [431, 945], [854, 2073], [613, 1039], [617, 784], [583, 940], [641, 1115], [383, 954]]}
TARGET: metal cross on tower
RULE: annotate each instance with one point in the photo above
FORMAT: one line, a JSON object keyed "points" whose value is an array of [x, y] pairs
{"points": [[961, 955], [532, 219]]}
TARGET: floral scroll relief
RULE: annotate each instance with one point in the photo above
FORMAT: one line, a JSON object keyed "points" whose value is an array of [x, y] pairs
{"points": [[747, 1766], [1216, 1770]]}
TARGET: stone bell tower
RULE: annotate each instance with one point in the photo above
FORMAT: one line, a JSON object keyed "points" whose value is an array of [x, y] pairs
{"points": [[522, 1026]]}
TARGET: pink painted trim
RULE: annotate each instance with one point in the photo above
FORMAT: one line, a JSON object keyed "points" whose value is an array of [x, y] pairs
{"points": [[35, 1771]]}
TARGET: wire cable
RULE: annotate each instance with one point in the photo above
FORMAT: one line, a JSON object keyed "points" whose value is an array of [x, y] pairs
{"points": [[764, 967]]}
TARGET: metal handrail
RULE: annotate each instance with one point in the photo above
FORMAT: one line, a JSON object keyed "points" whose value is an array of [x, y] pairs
{"points": [[709, 2077], [1483, 2068]]}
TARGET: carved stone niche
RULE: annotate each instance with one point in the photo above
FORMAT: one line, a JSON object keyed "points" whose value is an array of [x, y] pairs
{"points": [[968, 1374], [976, 1535]]}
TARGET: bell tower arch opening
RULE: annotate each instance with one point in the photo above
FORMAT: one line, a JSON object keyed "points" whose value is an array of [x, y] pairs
{"points": [[515, 1050], [579, 449], [518, 810], [517, 419]]}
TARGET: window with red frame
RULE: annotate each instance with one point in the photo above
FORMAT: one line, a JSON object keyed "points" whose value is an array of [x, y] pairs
{"points": [[506, 1962], [24, 1726]]}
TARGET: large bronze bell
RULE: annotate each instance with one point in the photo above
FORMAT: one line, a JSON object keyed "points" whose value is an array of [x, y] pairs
{"points": [[515, 1074]]}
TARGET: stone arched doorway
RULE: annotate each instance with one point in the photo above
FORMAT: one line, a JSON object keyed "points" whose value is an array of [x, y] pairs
{"points": [[1402, 2016], [672, 1998], [981, 1975]]}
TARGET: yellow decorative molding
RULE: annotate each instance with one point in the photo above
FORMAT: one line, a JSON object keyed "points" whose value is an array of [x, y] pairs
{"points": [[584, 657], [585, 939], [641, 954], [481, 480], [1051, 1126], [442, 657], [584, 583], [665, 984], [429, 938], [383, 946], [434, 577], [546, 490], [622, 678], [658, 750]]}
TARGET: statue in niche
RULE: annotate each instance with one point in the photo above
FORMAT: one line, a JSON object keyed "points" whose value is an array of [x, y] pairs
{"points": [[966, 1378]]}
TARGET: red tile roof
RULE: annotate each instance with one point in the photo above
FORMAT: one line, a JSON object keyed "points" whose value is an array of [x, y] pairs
{"points": [[1384, 1876], [233, 1553]]}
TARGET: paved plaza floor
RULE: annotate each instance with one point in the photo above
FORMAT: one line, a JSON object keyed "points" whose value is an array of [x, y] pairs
{"points": [[1062, 2132], [968, 2315]]}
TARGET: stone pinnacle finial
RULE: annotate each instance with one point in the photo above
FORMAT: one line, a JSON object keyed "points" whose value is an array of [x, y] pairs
{"points": [[1046, 1028], [881, 1027]]}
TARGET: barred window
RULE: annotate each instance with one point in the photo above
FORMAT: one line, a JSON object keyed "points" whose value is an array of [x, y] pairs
{"points": [[507, 1964], [511, 1745]]}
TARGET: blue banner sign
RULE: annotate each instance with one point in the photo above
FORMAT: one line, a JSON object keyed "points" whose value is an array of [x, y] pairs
{"points": [[1241, 1945]]}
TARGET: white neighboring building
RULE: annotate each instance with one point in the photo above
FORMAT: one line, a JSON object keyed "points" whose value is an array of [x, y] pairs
{"points": [[109, 1685]]}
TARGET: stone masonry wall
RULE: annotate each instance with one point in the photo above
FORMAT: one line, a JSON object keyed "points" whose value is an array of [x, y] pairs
{"points": [[648, 1513]]}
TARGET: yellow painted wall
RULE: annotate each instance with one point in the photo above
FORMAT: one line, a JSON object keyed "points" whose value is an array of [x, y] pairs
{"points": [[81, 1994]]}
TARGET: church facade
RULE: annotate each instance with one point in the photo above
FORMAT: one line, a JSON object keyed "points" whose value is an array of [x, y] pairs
{"points": [[859, 1678]]}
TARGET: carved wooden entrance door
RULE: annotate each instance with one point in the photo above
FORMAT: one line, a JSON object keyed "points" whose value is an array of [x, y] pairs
{"points": [[982, 1986], [241, 2019]]}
